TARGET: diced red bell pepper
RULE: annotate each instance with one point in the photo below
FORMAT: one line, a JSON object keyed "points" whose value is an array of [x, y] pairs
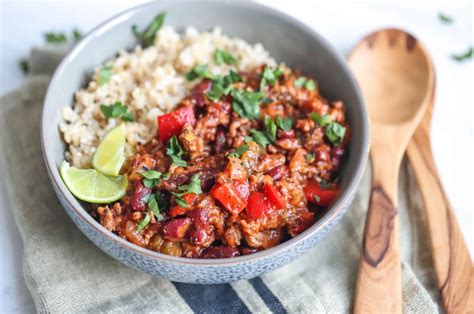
{"points": [[172, 123], [228, 195], [243, 188], [274, 196], [319, 196], [178, 210], [258, 205]]}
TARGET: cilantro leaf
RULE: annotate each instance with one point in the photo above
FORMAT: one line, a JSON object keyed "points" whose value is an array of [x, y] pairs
{"points": [[310, 85], [317, 198], [222, 56], [239, 151], [180, 201], [270, 128], [231, 78], [199, 71], [259, 137], [305, 82], [194, 187], [299, 82], [445, 19], [152, 178], [335, 132], [217, 90], [105, 73], [144, 222], [176, 152], [464, 56], [269, 76], [153, 205], [117, 110], [246, 104], [284, 123], [310, 157], [148, 35], [55, 38], [321, 120]]}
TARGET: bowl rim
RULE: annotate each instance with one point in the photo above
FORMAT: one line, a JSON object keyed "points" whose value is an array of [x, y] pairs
{"points": [[332, 213]]}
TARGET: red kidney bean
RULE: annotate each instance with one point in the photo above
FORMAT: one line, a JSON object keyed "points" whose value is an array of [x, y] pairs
{"points": [[221, 252], [286, 134], [338, 151], [278, 173], [139, 192], [201, 237], [176, 229], [197, 94]]}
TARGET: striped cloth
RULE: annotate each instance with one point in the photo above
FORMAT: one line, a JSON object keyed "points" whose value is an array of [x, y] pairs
{"points": [[66, 273]]}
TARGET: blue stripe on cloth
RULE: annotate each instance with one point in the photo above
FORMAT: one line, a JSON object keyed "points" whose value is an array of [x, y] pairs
{"points": [[267, 295], [211, 298]]}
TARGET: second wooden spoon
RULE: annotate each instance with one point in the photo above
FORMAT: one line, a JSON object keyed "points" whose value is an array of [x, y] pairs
{"points": [[397, 79]]}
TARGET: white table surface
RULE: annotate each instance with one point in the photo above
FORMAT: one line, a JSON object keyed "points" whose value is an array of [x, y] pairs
{"points": [[342, 24]]}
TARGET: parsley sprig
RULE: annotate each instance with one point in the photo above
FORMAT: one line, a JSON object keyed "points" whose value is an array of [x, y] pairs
{"points": [[239, 151], [335, 133], [176, 152], [193, 187], [222, 56], [117, 110], [269, 76], [246, 104], [284, 123], [151, 178], [321, 120], [148, 36], [151, 200], [305, 82]]}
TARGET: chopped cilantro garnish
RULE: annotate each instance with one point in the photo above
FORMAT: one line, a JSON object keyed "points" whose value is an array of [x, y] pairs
{"points": [[231, 78], [222, 56], [246, 104], [270, 128], [117, 110], [144, 222], [310, 157], [317, 198], [216, 91], [335, 132], [55, 38], [152, 178], [199, 71], [153, 206], [105, 73], [24, 66], [148, 36], [176, 152], [464, 56], [305, 82], [259, 137], [444, 18], [269, 76], [321, 120], [239, 151], [284, 123], [193, 187]]}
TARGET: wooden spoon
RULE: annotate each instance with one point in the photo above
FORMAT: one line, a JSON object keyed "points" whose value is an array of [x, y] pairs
{"points": [[397, 80], [452, 263]]}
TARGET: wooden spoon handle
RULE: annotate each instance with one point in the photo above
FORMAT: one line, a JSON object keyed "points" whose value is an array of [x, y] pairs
{"points": [[452, 263], [379, 288]]}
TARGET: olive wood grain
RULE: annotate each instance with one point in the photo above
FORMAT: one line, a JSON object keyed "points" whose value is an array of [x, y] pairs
{"points": [[396, 78], [452, 263]]}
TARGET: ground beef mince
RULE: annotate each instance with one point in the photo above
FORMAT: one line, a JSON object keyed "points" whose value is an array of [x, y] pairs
{"points": [[244, 162]]}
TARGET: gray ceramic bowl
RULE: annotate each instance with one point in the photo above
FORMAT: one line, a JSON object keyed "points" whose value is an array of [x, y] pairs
{"points": [[287, 40]]}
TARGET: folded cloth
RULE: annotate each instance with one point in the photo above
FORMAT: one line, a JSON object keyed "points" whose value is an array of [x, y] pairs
{"points": [[66, 273]]}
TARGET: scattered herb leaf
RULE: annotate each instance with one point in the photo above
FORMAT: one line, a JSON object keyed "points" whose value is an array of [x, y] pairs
{"points": [[180, 201], [239, 151], [321, 120], [445, 19], [216, 91], [246, 104], [166, 176], [194, 187], [464, 56], [310, 157], [152, 178], [105, 73], [199, 71], [222, 56], [55, 38], [267, 100], [153, 205], [270, 128], [269, 76], [259, 137], [176, 152], [317, 198], [335, 132], [310, 85], [305, 82], [24, 66], [231, 78], [284, 123], [144, 222], [117, 110], [148, 36]]}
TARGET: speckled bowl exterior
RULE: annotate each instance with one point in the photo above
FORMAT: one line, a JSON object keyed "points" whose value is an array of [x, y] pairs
{"points": [[289, 41]]}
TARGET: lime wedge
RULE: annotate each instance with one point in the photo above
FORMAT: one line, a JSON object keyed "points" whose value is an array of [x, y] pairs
{"points": [[92, 186], [110, 154]]}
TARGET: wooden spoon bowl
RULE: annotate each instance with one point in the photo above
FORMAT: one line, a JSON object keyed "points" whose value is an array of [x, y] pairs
{"points": [[396, 77]]}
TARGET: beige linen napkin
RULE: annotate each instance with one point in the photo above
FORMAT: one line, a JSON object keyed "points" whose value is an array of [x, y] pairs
{"points": [[66, 273]]}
